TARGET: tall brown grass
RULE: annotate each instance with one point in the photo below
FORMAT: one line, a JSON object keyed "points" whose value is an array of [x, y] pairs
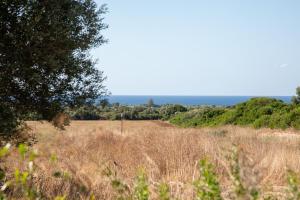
{"points": [[168, 154]]}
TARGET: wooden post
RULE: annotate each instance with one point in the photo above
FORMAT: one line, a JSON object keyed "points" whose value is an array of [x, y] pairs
{"points": [[121, 123]]}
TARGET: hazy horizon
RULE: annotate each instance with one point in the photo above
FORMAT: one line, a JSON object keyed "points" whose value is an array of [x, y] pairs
{"points": [[201, 48], [202, 95]]}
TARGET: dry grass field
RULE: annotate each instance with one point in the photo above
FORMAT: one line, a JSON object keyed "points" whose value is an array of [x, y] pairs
{"points": [[168, 154]]}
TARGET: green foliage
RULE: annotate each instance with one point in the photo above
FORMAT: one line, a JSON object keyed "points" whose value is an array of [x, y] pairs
{"points": [[3, 184], [8, 119], [22, 183], [121, 188], [235, 170], [199, 117], [207, 186], [167, 111], [44, 57], [296, 99], [257, 112], [164, 192], [114, 112], [150, 103], [4, 150], [241, 190], [60, 198], [23, 180], [86, 113], [248, 112], [293, 186], [141, 191], [22, 148]]}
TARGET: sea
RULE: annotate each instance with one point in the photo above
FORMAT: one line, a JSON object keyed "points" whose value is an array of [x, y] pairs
{"points": [[186, 100]]}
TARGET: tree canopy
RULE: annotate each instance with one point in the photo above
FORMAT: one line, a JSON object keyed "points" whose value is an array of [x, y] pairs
{"points": [[296, 99], [44, 56]]}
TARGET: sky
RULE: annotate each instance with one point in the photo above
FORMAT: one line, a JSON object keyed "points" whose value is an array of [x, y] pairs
{"points": [[201, 47]]}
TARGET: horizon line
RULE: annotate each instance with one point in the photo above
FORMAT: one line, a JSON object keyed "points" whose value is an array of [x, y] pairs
{"points": [[202, 95]]}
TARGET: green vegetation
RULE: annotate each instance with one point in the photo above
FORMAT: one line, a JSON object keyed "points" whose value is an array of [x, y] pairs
{"points": [[21, 184], [164, 191], [114, 112], [296, 99], [44, 58], [207, 186], [141, 190], [198, 117], [257, 112]]}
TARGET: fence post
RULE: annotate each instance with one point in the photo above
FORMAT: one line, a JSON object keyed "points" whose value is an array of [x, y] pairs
{"points": [[121, 123]]}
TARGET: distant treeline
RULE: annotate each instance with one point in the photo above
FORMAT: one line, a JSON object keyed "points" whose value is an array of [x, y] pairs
{"points": [[117, 112], [256, 112]]}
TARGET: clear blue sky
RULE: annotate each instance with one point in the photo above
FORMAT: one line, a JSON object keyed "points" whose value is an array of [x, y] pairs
{"points": [[201, 47]]}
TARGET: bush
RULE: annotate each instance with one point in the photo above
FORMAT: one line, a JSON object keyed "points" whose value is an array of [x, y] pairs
{"points": [[207, 186], [169, 110], [198, 117], [8, 120], [257, 112]]}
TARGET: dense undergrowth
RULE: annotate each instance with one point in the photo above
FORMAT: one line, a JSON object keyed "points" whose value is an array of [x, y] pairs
{"points": [[257, 112]]}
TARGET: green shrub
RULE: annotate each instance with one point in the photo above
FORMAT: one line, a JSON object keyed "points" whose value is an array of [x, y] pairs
{"points": [[198, 117], [207, 186], [9, 121], [169, 110], [164, 192], [256, 112], [141, 190], [293, 186], [263, 121]]}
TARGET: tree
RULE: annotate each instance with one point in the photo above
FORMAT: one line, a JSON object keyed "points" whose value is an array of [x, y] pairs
{"points": [[44, 56], [104, 103], [150, 103], [296, 99]]}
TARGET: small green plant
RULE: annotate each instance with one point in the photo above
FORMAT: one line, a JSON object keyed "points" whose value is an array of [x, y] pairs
{"points": [[164, 191], [23, 182], [4, 151], [240, 189], [293, 186], [207, 186], [122, 189], [141, 190], [3, 184], [235, 173], [53, 158], [22, 148], [60, 198]]}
